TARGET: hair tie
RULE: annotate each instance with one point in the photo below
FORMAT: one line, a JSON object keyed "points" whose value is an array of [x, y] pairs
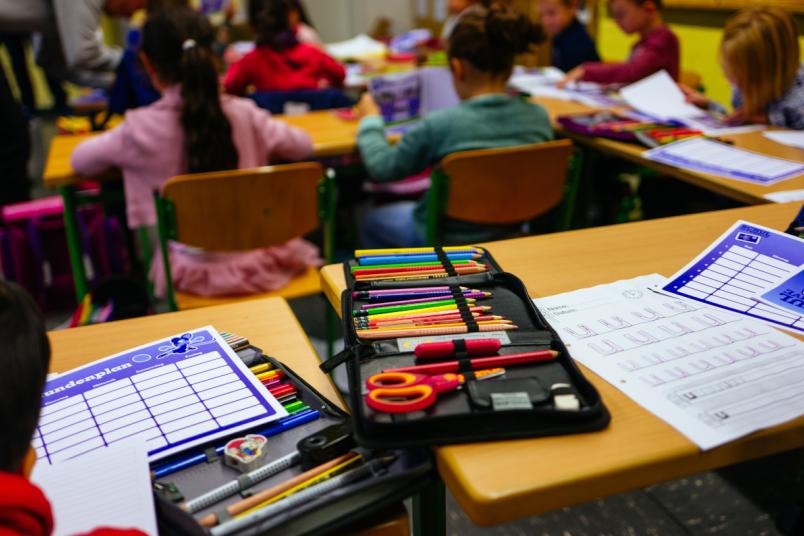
{"points": [[188, 44]]}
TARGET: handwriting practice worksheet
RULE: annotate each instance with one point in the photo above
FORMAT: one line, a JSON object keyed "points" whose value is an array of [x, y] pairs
{"points": [[712, 374]]}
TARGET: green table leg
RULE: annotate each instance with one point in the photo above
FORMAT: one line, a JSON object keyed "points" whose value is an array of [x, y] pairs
{"points": [[430, 510], [74, 242]]}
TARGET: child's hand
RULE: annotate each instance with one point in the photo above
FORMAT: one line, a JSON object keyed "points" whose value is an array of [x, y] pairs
{"points": [[739, 117], [694, 97], [572, 76], [367, 106]]}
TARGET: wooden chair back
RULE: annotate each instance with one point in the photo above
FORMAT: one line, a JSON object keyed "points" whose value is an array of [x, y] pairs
{"points": [[244, 209], [507, 185]]}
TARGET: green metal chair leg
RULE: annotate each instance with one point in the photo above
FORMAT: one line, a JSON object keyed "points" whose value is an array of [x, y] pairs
{"points": [[430, 510], [74, 242]]}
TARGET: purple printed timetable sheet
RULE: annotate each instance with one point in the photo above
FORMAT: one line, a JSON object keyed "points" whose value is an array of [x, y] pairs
{"points": [[745, 262], [176, 393]]}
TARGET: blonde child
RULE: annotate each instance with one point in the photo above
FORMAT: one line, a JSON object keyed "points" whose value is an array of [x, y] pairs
{"points": [[656, 49], [570, 43], [761, 59]]}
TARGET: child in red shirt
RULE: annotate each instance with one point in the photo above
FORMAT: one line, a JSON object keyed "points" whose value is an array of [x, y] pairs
{"points": [[657, 48], [24, 360], [280, 62]]}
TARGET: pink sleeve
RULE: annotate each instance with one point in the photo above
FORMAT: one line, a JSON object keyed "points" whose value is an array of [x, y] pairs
{"points": [[281, 140], [236, 79], [332, 69], [96, 155], [651, 57]]}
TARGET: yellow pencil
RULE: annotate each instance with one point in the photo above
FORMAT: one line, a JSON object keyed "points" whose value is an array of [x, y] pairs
{"points": [[257, 369]]}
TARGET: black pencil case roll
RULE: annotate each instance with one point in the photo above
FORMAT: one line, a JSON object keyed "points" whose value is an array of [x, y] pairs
{"points": [[549, 397], [331, 513]]}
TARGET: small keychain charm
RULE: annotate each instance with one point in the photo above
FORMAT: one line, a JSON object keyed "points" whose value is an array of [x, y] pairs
{"points": [[246, 453]]}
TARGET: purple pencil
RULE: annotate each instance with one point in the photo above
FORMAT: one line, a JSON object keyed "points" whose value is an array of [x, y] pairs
{"points": [[362, 294], [478, 295]]}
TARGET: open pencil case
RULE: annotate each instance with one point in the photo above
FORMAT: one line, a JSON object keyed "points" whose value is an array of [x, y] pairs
{"points": [[450, 268], [610, 125], [547, 397], [395, 475]]}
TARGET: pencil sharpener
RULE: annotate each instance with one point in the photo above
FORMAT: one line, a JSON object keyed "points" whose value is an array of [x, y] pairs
{"points": [[325, 445], [246, 453]]}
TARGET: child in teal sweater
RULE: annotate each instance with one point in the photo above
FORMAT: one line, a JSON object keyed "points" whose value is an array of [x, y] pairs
{"points": [[481, 54]]}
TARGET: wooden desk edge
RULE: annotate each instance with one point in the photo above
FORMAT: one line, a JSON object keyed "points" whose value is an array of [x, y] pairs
{"points": [[487, 509]]}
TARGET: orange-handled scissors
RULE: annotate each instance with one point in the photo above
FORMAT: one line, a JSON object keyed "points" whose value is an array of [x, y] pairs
{"points": [[406, 392]]}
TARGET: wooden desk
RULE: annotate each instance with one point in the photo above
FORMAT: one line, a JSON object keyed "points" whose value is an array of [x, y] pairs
{"points": [[268, 324], [496, 482], [332, 136], [744, 192]]}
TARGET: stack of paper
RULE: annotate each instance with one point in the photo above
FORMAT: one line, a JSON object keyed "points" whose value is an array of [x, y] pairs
{"points": [[109, 488], [712, 374], [717, 158], [360, 47]]}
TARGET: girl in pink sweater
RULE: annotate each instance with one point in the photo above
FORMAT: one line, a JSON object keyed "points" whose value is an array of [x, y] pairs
{"points": [[194, 129]]}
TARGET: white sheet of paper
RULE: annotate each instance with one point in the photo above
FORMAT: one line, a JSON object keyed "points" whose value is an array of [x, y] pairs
{"points": [[701, 154], [361, 46], [786, 196], [709, 373], [110, 487], [792, 138], [659, 96]]}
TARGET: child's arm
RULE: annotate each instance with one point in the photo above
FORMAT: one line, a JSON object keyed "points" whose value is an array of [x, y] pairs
{"points": [[332, 70], [101, 153], [647, 60], [385, 163], [236, 79], [282, 141]]}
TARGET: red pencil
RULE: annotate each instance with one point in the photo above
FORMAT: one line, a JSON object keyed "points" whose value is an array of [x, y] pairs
{"points": [[481, 363]]}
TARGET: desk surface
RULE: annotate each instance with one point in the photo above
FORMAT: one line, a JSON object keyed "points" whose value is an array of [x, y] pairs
{"points": [[744, 192], [496, 482], [267, 323], [331, 135]]}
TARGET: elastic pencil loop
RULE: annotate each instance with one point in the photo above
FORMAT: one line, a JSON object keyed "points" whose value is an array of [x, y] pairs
{"points": [[465, 368], [445, 262], [463, 309], [459, 348]]}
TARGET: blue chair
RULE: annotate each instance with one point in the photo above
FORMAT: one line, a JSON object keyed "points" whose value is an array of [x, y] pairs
{"points": [[316, 99]]}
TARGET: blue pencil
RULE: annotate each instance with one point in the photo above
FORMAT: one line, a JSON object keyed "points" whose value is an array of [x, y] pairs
{"points": [[394, 259], [303, 417]]}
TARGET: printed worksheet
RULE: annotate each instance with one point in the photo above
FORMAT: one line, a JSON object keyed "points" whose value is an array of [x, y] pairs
{"points": [[711, 374], [175, 393], [743, 263], [716, 158]]}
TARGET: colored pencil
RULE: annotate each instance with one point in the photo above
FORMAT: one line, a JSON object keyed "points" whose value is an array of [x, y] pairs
{"points": [[467, 295], [439, 325], [402, 251], [412, 295], [424, 332], [392, 259], [425, 312], [412, 265], [390, 269], [241, 506], [409, 307], [264, 367], [435, 320]]}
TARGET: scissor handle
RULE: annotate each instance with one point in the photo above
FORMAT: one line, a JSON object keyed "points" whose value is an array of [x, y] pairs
{"points": [[401, 399], [394, 380]]}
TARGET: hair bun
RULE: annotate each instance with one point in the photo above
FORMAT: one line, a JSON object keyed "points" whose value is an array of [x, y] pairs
{"points": [[510, 30]]}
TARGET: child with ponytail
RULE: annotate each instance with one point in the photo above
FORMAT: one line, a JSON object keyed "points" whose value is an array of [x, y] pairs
{"points": [[193, 129], [481, 52]]}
